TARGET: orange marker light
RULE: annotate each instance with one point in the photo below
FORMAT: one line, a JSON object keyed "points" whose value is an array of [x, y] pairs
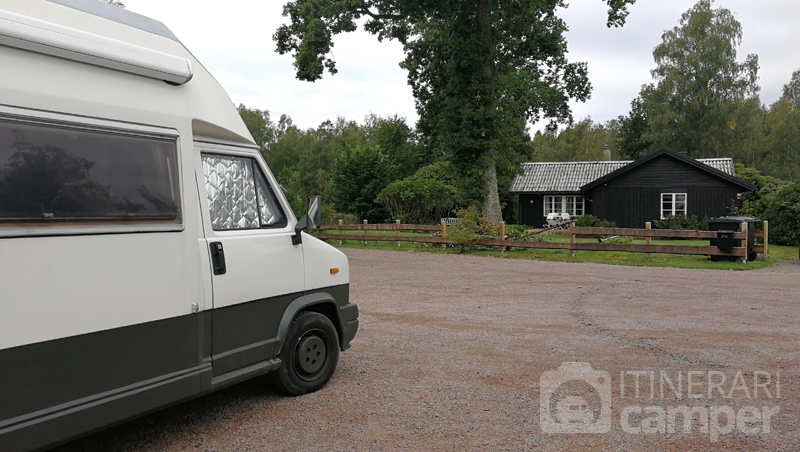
{"points": [[334, 271]]}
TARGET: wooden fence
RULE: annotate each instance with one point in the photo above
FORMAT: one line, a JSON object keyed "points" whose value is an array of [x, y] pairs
{"points": [[646, 234]]}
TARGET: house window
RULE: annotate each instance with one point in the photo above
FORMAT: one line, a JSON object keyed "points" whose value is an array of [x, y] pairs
{"points": [[673, 204], [572, 205]]}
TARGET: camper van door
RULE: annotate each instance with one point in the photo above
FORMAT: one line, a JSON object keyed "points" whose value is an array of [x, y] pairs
{"points": [[256, 271]]}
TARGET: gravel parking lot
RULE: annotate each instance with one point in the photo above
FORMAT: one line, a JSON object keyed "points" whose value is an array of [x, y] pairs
{"points": [[453, 353]]}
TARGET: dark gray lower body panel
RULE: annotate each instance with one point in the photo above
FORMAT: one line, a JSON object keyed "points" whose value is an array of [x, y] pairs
{"points": [[56, 390], [54, 426]]}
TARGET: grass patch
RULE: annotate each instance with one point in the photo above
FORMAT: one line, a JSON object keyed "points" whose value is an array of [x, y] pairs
{"points": [[777, 253]]}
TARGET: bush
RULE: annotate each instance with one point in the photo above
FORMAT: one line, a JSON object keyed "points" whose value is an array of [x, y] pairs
{"points": [[591, 221], [691, 223], [516, 231], [330, 217], [441, 171], [519, 232], [783, 214], [416, 200], [754, 204], [471, 227]]}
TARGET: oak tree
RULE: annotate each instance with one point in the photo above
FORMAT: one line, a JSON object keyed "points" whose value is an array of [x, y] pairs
{"points": [[479, 71]]}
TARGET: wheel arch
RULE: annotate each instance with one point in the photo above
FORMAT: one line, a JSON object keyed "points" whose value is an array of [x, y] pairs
{"points": [[321, 302]]}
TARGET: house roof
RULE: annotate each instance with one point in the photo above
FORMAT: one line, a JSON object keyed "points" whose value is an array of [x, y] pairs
{"points": [[569, 177], [556, 177], [711, 167]]}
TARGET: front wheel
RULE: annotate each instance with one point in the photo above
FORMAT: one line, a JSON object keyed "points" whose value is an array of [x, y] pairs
{"points": [[309, 355]]}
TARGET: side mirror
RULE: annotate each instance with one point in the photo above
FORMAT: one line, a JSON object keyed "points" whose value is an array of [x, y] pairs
{"points": [[311, 220], [314, 212]]}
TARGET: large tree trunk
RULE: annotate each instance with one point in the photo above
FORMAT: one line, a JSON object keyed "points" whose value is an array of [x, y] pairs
{"points": [[491, 201]]}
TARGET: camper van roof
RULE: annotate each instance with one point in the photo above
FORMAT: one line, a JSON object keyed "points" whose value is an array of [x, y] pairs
{"points": [[119, 15], [110, 65]]}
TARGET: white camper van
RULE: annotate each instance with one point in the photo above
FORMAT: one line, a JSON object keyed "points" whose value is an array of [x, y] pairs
{"points": [[147, 255]]}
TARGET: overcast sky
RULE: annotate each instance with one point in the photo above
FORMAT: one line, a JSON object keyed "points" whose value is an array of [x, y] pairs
{"points": [[233, 39]]}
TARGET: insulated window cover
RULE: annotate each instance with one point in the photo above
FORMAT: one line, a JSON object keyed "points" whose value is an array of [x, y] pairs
{"points": [[53, 175], [239, 196]]}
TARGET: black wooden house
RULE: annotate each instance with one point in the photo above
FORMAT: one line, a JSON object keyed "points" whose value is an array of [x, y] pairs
{"points": [[629, 193]]}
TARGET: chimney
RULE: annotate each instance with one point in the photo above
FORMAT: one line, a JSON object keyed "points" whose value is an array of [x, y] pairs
{"points": [[606, 153]]}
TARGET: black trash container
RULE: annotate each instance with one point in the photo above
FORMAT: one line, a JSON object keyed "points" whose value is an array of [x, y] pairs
{"points": [[725, 225], [725, 240]]}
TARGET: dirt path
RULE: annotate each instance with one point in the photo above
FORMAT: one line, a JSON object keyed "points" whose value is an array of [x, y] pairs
{"points": [[452, 351]]}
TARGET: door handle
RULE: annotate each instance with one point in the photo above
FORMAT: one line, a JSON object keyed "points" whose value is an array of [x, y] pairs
{"points": [[218, 258]]}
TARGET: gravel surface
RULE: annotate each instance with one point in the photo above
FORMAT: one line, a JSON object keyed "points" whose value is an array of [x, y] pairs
{"points": [[452, 348]]}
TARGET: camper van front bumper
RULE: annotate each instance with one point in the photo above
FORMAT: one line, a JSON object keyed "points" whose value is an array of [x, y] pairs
{"points": [[348, 316]]}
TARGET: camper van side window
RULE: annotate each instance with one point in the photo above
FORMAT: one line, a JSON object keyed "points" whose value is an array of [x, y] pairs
{"points": [[239, 196], [60, 176]]}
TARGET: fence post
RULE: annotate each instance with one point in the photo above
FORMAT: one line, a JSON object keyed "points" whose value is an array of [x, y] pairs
{"points": [[502, 235], [744, 242], [340, 232], [572, 238], [444, 231], [365, 232], [647, 239], [766, 240], [397, 228]]}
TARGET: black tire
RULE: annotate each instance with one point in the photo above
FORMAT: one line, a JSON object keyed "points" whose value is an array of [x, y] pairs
{"points": [[309, 355]]}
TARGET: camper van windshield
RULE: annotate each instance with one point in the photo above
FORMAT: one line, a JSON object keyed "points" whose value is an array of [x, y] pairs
{"points": [[56, 175]]}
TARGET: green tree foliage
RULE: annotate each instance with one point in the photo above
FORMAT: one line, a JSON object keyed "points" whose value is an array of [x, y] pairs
{"points": [[358, 175], [440, 171], [418, 200], [791, 90], [289, 179], [703, 101], [479, 71], [259, 124], [765, 141], [302, 160], [631, 140], [312, 152], [580, 141], [397, 139], [783, 214], [775, 200], [754, 203], [782, 153]]}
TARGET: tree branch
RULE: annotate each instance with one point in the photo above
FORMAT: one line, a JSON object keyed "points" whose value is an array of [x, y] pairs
{"points": [[377, 16]]}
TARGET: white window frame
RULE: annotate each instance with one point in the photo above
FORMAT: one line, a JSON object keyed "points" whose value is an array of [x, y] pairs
{"points": [[578, 205], [673, 199]]}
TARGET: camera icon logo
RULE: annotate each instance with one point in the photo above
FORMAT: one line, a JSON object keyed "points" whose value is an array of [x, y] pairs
{"points": [[572, 412]]}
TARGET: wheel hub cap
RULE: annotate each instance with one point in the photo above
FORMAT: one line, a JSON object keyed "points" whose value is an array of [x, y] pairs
{"points": [[311, 354]]}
